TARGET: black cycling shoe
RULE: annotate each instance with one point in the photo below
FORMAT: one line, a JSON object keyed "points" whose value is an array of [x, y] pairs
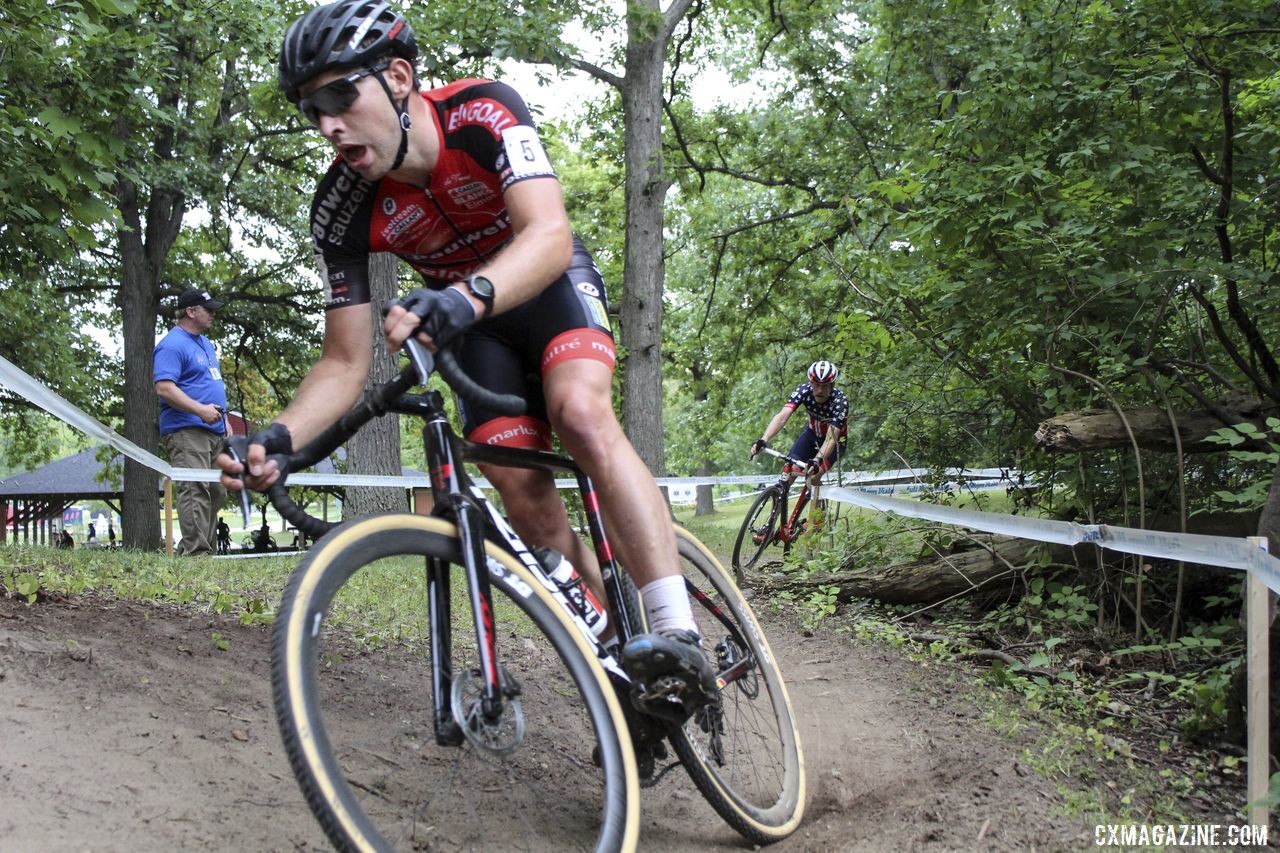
{"points": [[671, 676]]}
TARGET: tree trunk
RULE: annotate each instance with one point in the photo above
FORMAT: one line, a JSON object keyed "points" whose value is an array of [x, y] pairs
{"points": [[375, 449], [139, 506], [144, 244], [1269, 526], [705, 502], [641, 308], [1100, 429]]}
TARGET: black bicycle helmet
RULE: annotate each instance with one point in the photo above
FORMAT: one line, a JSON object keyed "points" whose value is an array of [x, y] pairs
{"points": [[345, 34]]}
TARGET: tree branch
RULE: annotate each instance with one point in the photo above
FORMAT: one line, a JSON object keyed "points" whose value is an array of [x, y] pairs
{"points": [[671, 18]]}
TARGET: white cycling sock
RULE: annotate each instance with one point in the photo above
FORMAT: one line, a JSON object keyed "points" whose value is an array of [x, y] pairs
{"points": [[666, 604]]}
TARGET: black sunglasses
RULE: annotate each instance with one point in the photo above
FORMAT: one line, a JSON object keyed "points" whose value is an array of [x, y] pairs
{"points": [[334, 99]]}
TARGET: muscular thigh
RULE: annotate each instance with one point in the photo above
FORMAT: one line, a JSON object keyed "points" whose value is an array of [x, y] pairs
{"points": [[512, 352], [806, 445]]}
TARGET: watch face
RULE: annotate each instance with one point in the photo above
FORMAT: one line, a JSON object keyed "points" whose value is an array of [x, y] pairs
{"points": [[481, 287]]}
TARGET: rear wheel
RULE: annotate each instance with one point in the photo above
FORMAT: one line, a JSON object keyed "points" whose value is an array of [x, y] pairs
{"points": [[757, 532], [745, 757], [353, 691]]}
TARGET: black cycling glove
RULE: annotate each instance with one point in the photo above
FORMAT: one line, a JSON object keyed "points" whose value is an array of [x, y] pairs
{"points": [[445, 314], [274, 439], [813, 467], [758, 445]]}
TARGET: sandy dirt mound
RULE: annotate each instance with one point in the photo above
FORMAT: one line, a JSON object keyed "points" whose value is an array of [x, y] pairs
{"points": [[138, 727]]}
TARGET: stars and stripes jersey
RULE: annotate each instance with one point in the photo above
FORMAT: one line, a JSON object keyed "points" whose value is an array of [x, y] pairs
{"points": [[487, 143], [822, 416]]}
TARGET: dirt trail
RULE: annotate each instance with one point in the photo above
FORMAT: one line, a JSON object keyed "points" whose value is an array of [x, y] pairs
{"points": [[128, 728]]}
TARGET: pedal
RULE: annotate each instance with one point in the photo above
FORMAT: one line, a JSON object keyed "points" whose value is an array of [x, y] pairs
{"points": [[647, 757], [664, 697]]}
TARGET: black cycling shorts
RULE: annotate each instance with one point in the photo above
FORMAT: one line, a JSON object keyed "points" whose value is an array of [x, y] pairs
{"points": [[510, 353], [808, 444]]}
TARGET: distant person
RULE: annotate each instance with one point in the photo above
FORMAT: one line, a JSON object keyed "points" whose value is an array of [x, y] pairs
{"points": [[821, 442], [111, 535], [262, 539], [224, 537], [65, 540], [193, 423], [91, 537]]}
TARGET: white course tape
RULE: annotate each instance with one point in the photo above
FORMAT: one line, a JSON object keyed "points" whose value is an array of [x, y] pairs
{"points": [[13, 378], [1189, 547]]}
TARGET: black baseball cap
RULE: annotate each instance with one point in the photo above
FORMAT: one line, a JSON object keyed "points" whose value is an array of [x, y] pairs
{"points": [[194, 298]]}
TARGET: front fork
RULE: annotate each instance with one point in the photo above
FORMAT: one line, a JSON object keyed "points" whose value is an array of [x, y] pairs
{"points": [[452, 502], [791, 527]]}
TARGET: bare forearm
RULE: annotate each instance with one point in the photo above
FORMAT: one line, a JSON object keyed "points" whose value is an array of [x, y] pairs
{"points": [[539, 251], [775, 426], [533, 259], [327, 393], [176, 398]]}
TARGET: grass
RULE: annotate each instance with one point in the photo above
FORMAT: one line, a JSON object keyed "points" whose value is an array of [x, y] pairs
{"points": [[383, 603], [718, 530]]}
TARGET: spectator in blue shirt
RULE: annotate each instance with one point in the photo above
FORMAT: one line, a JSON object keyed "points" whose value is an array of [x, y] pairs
{"points": [[193, 423]]}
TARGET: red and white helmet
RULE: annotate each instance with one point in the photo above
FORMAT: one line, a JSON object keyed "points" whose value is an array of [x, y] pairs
{"points": [[823, 372]]}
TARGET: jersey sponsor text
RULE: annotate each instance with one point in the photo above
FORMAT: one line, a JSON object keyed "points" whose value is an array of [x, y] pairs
{"points": [[485, 112]]}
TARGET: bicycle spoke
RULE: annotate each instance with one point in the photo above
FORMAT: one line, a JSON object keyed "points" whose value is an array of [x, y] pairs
{"points": [[357, 712], [744, 755]]}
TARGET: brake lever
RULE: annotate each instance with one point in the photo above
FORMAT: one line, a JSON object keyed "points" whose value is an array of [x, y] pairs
{"points": [[420, 357], [245, 507]]}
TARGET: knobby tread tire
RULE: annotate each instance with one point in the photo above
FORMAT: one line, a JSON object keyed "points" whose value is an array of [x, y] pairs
{"points": [[772, 498], [330, 563], [773, 810]]}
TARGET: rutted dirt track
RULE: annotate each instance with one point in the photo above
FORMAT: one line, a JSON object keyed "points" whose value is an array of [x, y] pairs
{"points": [[126, 727]]}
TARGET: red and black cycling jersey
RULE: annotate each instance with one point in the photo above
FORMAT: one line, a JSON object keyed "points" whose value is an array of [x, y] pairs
{"points": [[822, 416], [450, 228]]}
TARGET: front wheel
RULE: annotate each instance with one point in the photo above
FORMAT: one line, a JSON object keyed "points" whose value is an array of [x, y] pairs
{"points": [[745, 756], [758, 531], [352, 678]]}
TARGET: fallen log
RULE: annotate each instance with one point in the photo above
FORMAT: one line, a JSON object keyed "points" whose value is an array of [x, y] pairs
{"points": [[1102, 429], [992, 569]]}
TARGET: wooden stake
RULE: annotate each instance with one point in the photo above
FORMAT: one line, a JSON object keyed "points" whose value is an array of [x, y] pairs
{"points": [[168, 516], [1257, 653]]}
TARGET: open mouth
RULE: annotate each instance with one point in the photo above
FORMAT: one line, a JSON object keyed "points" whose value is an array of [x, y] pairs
{"points": [[354, 154]]}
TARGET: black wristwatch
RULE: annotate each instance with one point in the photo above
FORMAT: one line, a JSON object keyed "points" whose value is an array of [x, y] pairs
{"points": [[481, 288]]}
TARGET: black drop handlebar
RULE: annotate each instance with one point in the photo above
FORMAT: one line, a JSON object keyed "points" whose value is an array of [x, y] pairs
{"points": [[376, 402]]}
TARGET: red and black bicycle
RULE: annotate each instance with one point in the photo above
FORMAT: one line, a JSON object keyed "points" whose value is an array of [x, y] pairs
{"points": [[768, 522], [507, 722]]}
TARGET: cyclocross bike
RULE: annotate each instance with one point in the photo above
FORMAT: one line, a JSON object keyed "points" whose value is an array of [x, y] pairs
{"points": [[516, 728], [767, 522]]}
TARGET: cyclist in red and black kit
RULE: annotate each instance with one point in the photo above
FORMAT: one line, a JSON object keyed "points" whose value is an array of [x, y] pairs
{"points": [[822, 441], [456, 182]]}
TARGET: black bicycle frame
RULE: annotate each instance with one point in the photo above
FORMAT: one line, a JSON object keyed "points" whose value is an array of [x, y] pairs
{"points": [[459, 500]]}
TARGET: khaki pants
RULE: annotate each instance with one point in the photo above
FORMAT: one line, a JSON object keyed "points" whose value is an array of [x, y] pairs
{"points": [[198, 503]]}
